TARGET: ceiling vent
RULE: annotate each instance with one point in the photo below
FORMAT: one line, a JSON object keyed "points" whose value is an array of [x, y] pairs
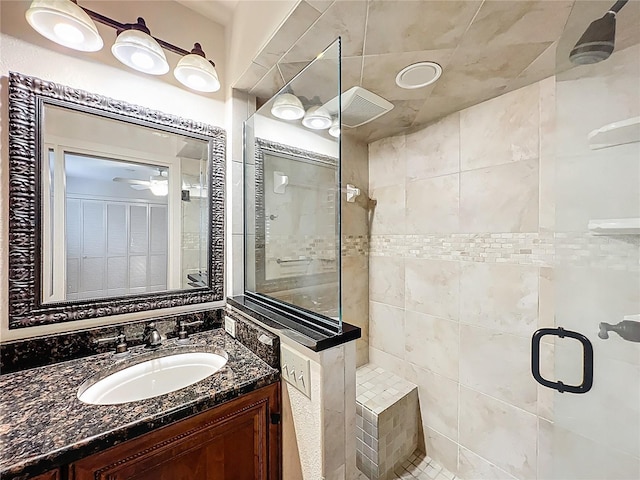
{"points": [[359, 106]]}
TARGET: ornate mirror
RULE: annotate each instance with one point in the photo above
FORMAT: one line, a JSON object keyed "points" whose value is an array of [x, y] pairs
{"points": [[114, 208]]}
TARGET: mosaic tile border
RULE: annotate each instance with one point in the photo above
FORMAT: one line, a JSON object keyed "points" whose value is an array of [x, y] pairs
{"points": [[316, 246], [354, 245], [619, 252], [291, 247]]}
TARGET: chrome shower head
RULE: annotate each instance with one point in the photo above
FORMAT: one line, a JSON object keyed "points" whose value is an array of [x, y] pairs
{"points": [[598, 41]]}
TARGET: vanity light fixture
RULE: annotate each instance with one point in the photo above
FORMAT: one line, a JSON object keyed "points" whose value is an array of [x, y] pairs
{"points": [[196, 72], [136, 48], [287, 106], [317, 118], [334, 130], [70, 25], [65, 23]]}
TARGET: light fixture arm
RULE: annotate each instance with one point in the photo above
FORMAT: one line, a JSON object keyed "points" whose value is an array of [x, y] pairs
{"points": [[119, 27], [197, 50], [140, 25]]}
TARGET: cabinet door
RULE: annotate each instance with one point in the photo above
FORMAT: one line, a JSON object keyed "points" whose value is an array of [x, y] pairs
{"points": [[52, 475], [235, 441]]}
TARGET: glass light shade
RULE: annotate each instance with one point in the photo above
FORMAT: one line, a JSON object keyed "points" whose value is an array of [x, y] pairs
{"points": [[317, 118], [65, 23], [197, 73], [334, 130], [159, 186], [141, 52], [287, 107]]}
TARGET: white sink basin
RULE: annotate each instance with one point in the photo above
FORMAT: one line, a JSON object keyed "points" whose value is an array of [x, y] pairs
{"points": [[152, 378]]}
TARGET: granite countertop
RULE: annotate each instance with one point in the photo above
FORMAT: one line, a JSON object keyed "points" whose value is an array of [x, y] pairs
{"points": [[43, 425]]}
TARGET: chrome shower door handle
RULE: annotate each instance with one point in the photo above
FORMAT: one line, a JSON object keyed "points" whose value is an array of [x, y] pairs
{"points": [[587, 361]]}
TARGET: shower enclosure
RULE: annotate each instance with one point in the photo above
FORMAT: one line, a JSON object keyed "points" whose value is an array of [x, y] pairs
{"points": [[595, 279], [292, 196]]}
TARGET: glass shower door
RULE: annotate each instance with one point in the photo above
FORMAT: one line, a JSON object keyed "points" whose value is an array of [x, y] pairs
{"points": [[594, 282]]}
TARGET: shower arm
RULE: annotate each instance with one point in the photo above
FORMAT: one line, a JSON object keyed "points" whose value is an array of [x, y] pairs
{"points": [[617, 6]]}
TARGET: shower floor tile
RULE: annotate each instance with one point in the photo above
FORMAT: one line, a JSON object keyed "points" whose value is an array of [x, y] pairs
{"points": [[420, 467]]}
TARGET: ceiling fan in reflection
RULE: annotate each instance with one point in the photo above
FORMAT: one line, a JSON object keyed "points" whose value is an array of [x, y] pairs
{"points": [[158, 184]]}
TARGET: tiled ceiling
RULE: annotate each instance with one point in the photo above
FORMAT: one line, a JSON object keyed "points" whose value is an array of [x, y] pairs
{"points": [[486, 48]]}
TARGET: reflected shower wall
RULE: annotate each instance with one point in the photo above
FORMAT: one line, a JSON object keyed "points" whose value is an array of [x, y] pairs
{"points": [[292, 187], [301, 199]]}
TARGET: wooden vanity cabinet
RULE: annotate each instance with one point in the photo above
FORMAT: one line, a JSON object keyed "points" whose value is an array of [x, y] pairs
{"points": [[52, 475], [238, 440]]}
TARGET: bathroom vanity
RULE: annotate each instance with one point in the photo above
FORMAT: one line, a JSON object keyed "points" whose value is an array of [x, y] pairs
{"points": [[238, 439], [229, 421]]}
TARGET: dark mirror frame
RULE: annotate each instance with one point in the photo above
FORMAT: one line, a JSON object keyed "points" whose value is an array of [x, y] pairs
{"points": [[263, 147], [27, 97]]}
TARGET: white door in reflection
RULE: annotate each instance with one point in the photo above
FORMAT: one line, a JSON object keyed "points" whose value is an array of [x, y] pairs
{"points": [[116, 228], [108, 225]]}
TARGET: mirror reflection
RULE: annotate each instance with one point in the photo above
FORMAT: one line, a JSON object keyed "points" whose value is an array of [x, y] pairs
{"points": [[292, 178], [300, 204], [124, 208]]}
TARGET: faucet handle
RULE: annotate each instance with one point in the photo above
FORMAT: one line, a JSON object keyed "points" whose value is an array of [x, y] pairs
{"points": [[604, 330], [121, 346], [183, 335]]}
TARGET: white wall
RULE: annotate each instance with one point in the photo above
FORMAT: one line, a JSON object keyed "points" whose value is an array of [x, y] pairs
{"points": [[254, 23], [295, 135]]}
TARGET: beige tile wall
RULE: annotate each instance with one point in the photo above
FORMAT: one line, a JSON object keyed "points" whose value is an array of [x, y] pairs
{"points": [[462, 257], [450, 322], [355, 243]]}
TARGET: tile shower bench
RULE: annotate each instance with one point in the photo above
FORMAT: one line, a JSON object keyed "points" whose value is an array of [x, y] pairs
{"points": [[386, 421]]}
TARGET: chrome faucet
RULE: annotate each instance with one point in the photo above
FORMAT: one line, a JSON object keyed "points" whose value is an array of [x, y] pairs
{"points": [[151, 336]]}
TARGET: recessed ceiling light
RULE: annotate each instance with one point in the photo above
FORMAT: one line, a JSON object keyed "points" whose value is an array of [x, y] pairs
{"points": [[418, 75]]}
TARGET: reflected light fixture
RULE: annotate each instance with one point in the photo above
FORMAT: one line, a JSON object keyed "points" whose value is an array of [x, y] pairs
{"points": [[70, 25], [334, 130], [317, 118], [287, 106], [159, 186], [136, 48], [196, 72], [65, 23]]}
